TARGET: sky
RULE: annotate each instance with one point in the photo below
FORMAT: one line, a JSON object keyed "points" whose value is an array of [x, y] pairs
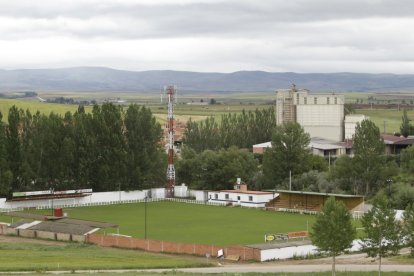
{"points": [[308, 36]]}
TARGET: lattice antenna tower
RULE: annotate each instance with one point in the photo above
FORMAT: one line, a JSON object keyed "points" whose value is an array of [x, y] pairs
{"points": [[171, 92]]}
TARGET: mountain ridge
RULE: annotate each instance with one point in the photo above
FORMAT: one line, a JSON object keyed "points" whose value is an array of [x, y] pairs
{"points": [[109, 79]]}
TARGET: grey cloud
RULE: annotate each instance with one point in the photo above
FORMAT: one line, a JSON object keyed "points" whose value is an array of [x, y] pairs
{"points": [[207, 18]]}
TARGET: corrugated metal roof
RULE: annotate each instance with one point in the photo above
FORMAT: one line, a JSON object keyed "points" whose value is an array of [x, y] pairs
{"points": [[315, 193]]}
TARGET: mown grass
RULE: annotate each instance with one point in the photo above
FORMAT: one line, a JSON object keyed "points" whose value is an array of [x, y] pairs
{"points": [[39, 257], [190, 223]]}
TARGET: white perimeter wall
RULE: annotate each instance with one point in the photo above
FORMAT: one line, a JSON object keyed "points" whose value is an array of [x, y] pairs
{"points": [[103, 197], [296, 251]]}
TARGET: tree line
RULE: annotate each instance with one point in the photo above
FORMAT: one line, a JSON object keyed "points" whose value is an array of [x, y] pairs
{"points": [[110, 148], [241, 130]]}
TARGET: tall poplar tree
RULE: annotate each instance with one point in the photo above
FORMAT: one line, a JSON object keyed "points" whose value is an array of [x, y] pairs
{"points": [[368, 150], [405, 127], [13, 146], [383, 231], [289, 154], [332, 231]]}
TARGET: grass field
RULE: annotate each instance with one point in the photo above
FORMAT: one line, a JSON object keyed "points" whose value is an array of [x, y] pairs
{"points": [[392, 118], [39, 257], [190, 223], [34, 106]]}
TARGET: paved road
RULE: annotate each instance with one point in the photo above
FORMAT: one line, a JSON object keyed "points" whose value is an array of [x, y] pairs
{"points": [[259, 268]]}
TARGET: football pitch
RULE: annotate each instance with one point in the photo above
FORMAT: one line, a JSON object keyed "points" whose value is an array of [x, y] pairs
{"points": [[192, 223]]}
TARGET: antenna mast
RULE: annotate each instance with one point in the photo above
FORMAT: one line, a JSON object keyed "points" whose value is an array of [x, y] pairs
{"points": [[171, 92]]}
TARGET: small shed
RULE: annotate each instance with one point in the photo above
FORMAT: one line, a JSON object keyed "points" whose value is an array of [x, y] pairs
{"points": [[312, 201]]}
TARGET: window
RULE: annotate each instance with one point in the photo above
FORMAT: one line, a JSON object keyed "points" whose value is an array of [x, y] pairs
{"points": [[305, 100], [216, 196], [336, 100], [315, 100], [250, 198], [227, 196], [297, 98], [327, 100], [238, 198]]}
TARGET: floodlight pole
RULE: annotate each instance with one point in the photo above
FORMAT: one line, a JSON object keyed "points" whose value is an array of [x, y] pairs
{"points": [[52, 192], [145, 217]]}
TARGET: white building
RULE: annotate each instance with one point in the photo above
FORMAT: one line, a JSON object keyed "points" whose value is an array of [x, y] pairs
{"points": [[351, 121], [260, 148], [241, 196], [321, 115]]}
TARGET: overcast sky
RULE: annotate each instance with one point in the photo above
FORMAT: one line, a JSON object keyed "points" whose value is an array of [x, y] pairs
{"points": [[370, 36]]}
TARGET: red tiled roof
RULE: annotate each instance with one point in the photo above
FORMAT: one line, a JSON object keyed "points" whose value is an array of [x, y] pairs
{"points": [[392, 138], [400, 140]]}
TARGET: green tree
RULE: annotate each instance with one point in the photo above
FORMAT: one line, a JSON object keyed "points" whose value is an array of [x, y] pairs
{"points": [[405, 127], [407, 159], [368, 150], [332, 231], [5, 173], [13, 146], [345, 175], [409, 227], [313, 181], [241, 130], [216, 170], [146, 164], [202, 135], [289, 153], [383, 231]]}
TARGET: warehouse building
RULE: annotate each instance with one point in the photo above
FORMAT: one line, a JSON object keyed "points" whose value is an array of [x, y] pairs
{"points": [[321, 115]]}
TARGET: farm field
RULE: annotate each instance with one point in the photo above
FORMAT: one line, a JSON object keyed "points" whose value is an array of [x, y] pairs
{"points": [[183, 112], [392, 118], [229, 103], [34, 106], [191, 223], [26, 256]]}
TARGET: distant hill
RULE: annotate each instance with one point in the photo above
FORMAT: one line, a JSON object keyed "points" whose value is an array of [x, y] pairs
{"points": [[106, 79]]}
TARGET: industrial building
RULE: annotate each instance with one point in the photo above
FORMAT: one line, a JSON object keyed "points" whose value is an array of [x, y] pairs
{"points": [[321, 115], [351, 122]]}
